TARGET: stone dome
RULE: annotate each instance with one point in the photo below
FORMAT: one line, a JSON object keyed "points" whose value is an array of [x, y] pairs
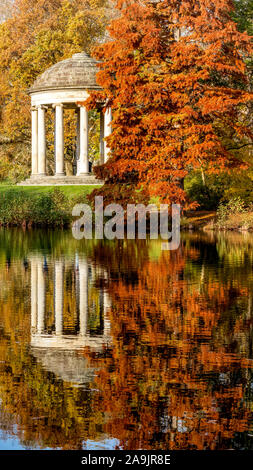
{"points": [[78, 72]]}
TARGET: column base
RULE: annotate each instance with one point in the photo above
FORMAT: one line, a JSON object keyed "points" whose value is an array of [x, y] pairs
{"points": [[84, 174], [40, 175], [59, 175]]}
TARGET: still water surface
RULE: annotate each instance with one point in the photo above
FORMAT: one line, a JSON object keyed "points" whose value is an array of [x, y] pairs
{"points": [[120, 345]]}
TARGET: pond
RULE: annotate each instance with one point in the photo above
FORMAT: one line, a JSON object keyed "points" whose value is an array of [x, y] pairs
{"points": [[123, 345]]}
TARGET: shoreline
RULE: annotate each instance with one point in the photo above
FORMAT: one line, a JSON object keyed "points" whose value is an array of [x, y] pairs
{"points": [[208, 221], [51, 207]]}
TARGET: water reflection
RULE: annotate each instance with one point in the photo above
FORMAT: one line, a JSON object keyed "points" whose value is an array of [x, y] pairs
{"points": [[121, 344], [83, 275], [54, 343]]}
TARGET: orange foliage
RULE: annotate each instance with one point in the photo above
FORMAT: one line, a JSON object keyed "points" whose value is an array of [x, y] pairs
{"points": [[171, 377], [174, 76]]}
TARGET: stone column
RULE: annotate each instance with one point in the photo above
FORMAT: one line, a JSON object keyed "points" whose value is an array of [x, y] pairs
{"points": [[77, 140], [102, 134], [34, 141], [107, 131], [59, 140], [84, 142], [59, 296], [34, 295], [83, 296], [41, 292], [41, 141]]}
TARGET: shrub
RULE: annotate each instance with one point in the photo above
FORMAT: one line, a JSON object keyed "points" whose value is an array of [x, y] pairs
{"points": [[229, 209], [18, 208], [52, 208], [15, 208]]}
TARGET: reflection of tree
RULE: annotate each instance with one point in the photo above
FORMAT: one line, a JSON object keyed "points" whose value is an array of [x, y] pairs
{"points": [[16, 243], [178, 374]]}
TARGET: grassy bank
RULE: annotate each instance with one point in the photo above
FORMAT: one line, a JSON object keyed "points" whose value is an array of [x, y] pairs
{"points": [[52, 206], [40, 205], [70, 191]]}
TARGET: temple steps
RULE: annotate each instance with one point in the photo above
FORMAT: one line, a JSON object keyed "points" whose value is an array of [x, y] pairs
{"points": [[61, 181]]}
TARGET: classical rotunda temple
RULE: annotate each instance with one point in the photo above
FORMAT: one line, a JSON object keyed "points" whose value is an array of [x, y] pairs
{"points": [[63, 86]]}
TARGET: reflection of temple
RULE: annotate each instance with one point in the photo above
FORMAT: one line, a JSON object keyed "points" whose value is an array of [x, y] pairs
{"points": [[55, 347]]}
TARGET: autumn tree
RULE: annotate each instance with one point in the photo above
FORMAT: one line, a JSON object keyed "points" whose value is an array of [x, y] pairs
{"points": [[210, 189], [175, 77], [38, 34]]}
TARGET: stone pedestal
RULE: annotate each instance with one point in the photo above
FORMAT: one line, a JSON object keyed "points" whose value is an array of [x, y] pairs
{"points": [[61, 181]]}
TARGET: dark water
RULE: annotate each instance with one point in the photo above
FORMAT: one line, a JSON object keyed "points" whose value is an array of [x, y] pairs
{"points": [[123, 345]]}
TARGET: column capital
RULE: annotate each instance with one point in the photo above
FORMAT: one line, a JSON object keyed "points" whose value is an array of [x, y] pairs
{"points": [[42, 106], [34, 108], [55, 105]]}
